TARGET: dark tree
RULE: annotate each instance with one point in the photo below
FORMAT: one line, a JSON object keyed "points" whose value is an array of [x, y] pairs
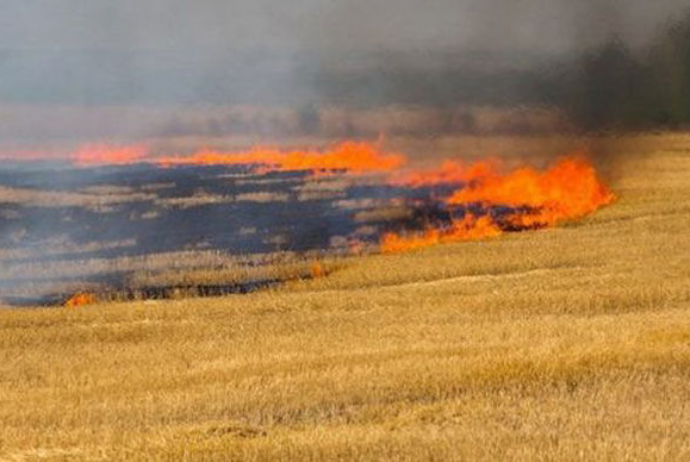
{"points": [[609, 89], [669, 71]]}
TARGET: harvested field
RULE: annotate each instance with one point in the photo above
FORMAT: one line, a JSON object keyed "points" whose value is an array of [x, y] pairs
{"points": [[567, 343]]}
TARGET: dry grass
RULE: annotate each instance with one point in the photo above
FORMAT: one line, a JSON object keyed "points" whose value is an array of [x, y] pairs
{"points": [[281, 267], [566, 344], [193, 266]]}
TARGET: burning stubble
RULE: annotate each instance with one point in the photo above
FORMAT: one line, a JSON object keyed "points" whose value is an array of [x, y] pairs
{"points": [[519, 200], [295, 201], [481, 199]]}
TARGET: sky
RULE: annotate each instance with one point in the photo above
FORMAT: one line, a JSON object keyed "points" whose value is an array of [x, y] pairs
{"points": [[329, 26]]}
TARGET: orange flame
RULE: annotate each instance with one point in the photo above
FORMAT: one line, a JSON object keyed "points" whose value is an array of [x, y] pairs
{"points": [[80, 299], [318, 271], [470, 228], [568, 190], [450, 172], [349, 156], [103, 154]]}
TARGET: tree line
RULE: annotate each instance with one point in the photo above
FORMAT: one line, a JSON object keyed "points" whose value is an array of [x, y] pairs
{"points": [[612, 87]]}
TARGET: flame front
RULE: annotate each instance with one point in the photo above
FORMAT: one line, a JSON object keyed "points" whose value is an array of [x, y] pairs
{"points": [[469, 228], [568, 190], [349, 156], [480, 199], [104, 154], [450, 172]]}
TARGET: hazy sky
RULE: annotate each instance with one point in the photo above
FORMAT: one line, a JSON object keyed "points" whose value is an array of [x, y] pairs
{"points": [[158, 52], [326, 25], [249, 51]]}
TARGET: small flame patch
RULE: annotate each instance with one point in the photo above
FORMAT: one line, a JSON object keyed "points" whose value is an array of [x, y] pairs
{"points": [[80, 299]]}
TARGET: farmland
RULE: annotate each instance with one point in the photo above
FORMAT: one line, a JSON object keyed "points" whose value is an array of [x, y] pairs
{"points": [[566, 343]]}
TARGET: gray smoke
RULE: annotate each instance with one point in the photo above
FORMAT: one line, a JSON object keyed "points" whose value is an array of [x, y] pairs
{"points": [[99, 53], [212, 27]]}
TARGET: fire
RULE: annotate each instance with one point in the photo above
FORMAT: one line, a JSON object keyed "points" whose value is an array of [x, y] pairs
{"points": [[450, 172], [568, 190], [103, 154], [80, 299], [349, 156], [524, 198], [469, 228], [318, 271]]}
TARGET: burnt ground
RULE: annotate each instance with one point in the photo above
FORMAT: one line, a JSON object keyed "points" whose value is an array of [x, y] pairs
{"points": [[53, 218], [219, 218], [56, 221]]}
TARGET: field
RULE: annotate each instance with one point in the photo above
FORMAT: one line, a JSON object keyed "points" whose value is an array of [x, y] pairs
{"points": [[560, 344]]}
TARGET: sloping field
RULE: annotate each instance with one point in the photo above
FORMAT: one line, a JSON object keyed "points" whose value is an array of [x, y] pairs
{"points": [[567, 343]]}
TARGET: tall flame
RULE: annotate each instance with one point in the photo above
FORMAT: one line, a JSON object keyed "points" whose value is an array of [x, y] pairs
{"points": [[568, 190]]}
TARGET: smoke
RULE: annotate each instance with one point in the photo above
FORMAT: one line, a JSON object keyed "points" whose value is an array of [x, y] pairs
{"points": [[77, 71], [270, 51], [81, 71], [173, 77], [212, 27]]}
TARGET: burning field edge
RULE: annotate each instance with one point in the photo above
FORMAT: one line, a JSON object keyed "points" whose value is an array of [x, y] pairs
{"points": [[354, 198], [539, 345]]}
